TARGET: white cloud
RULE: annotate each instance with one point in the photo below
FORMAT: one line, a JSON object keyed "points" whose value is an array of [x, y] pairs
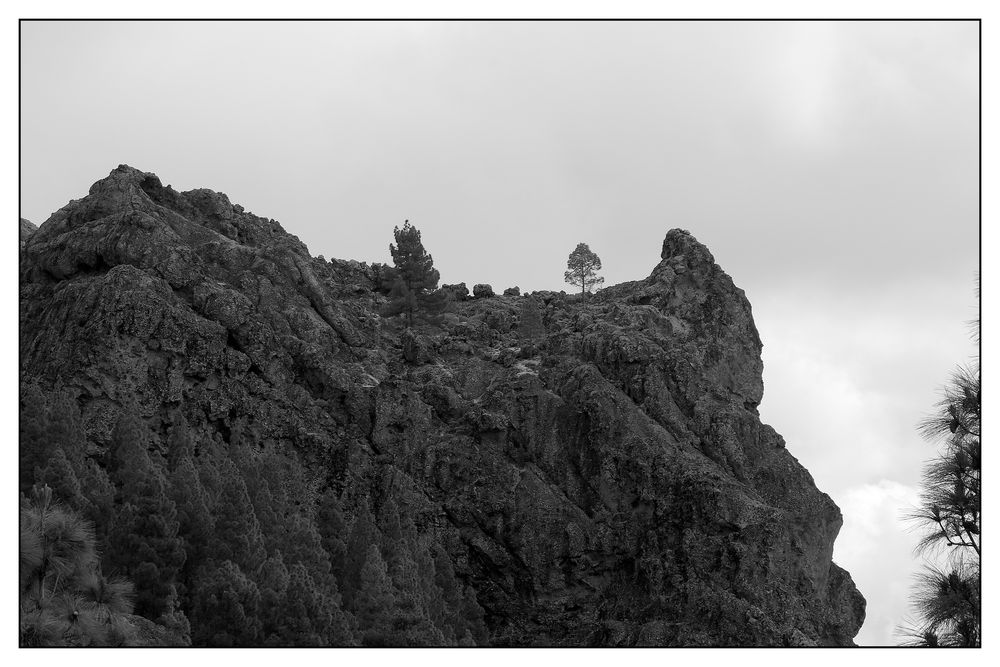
{"points": [[876, 547], [848, 376]]}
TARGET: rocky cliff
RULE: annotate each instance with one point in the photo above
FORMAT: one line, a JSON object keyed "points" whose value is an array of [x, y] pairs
{"points": [[26, 229], [614, 486]]}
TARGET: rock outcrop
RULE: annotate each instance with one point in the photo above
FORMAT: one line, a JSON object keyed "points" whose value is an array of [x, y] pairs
{"points": [[27, 228], [618, 488]]}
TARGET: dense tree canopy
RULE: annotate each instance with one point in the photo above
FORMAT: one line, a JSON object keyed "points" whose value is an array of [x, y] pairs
{"points": [[217, 544]]}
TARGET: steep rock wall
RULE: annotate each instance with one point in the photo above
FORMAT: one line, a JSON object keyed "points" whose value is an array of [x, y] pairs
{"points": [[617, 488]]}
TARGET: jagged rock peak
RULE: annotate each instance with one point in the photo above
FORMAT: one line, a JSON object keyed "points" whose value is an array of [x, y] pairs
{"points": [[127, 182], [682, 243], [122, 176], [130, 217]]}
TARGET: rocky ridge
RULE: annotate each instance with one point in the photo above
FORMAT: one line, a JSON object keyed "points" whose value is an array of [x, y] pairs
{"points": [[616, 488]]}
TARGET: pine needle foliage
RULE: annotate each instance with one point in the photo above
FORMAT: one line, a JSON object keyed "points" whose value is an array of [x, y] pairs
{"points": [[65, 600], [947, 599]]}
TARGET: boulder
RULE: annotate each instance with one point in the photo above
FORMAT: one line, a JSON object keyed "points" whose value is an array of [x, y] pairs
{"points": [[457, 292]]}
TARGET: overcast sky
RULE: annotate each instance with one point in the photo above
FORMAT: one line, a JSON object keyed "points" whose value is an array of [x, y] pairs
{"points": [[831, 168]]}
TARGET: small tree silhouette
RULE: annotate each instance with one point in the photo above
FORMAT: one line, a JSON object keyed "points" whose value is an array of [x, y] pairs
{"points": [[583, 266]]}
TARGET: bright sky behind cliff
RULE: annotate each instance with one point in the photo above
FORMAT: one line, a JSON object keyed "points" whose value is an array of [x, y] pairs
{"points": [[831, 168]]}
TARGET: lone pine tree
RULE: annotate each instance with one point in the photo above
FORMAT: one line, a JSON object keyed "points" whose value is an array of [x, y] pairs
{"points": [[583, 265], [415, 278]]}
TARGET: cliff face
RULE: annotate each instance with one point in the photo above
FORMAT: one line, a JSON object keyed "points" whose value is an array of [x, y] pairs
{"points": [[25, 229], [618, 488]]}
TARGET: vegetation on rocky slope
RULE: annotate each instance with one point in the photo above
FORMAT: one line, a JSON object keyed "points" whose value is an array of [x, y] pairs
{"points": [[273, 460]]}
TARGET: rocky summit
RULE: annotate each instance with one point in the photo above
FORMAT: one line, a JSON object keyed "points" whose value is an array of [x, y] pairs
{"points": [[608, 483]]}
